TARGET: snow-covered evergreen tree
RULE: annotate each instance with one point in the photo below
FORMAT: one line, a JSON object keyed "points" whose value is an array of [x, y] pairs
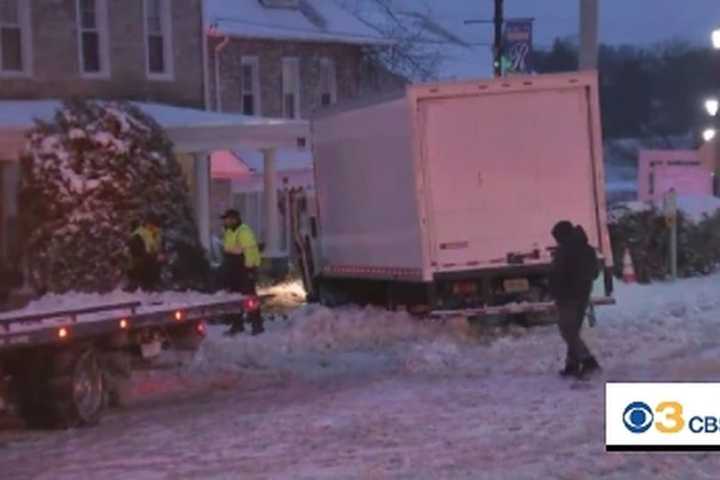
{"points": [[88, 177]]}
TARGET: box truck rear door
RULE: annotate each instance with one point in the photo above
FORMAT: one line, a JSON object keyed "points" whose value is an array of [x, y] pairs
{"points": [[502, 169]]}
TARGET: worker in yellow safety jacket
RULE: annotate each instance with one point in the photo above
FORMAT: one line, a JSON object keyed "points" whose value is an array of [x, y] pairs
{"points": [[241, 261], [146, 255]]}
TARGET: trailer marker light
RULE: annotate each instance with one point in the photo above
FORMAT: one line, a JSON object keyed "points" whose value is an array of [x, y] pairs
{"points": [[63, 333], [178, 315], [201, 328], [124, 324], [251, 304]]}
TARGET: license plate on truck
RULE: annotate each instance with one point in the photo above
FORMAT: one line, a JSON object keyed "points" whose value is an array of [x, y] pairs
{"points": [[516, 285], [151, 349]]}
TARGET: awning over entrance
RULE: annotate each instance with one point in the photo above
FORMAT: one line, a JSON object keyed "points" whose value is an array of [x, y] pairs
{"points": [[191, 130], [241, 164]]}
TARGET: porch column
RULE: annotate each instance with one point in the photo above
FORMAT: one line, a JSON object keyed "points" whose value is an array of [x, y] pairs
{"points": [[270, 220], [202, 197]]}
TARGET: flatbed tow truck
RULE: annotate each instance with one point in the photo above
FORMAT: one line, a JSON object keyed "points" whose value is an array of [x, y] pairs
{"points": [[62, 368]]}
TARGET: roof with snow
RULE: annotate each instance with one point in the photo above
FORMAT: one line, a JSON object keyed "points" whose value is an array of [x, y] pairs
{"points": [[311, 21], [191, 130]]}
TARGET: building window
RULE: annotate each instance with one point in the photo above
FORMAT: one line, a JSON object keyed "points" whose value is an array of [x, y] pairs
{"points": [[328, 82], [93, 37], [158, 35], [291, 87], [14, 37], [250, 86]]}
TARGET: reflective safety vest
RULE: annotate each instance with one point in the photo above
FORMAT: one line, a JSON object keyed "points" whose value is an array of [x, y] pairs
{"points": [[243, 238], [151, 237]]}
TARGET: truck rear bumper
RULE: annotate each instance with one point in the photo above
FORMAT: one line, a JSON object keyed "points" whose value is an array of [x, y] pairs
{"points": [[512, 309]]}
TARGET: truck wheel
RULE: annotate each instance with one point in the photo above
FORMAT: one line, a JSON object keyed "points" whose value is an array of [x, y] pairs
{"points": [[330, 295], [79, 395], [72, 393]]}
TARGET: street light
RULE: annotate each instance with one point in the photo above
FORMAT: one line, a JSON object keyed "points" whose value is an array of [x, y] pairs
{"points": [[708, 134], [716, 39], [712, 105]]}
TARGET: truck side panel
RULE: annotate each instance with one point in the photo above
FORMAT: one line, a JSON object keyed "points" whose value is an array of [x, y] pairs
{"points": [[366, 192]]}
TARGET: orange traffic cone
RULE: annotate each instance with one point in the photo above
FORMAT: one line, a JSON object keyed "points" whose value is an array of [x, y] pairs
{"points": [[628, 268]]}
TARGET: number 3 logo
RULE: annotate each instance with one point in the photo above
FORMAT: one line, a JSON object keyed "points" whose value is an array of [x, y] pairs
{"points": [[675, 416]]}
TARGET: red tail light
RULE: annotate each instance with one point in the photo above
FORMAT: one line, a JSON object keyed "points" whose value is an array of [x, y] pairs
{"points": [[63, 333], [250, 304], [464, 288], [201, 329], [178, 315]]}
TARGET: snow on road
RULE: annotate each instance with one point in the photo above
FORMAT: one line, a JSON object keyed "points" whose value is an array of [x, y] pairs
{"points": [[351, 393]]}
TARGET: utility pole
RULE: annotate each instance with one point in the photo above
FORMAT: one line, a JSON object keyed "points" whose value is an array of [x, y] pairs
{"points": [[670, 207], [499, 22], [588, 34], [498, 47]]}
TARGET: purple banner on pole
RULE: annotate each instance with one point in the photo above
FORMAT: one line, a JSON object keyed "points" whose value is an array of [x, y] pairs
{"points": [[518, 46]]}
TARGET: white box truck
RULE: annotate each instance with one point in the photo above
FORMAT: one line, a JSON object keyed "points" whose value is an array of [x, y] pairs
{"points": [[444, 197]]}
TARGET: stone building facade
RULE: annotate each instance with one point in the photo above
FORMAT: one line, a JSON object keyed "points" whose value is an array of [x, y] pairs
{"points": [[102, 49]]}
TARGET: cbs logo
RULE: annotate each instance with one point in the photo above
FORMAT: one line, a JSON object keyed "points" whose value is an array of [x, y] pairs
{"points": [[667, 417]]}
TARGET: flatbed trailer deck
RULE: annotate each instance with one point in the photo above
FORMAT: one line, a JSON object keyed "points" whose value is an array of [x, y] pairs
{"points": [[61, 367]]}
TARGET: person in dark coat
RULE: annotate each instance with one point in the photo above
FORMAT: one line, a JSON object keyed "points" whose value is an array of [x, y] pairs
{"points": [[575, 267]]}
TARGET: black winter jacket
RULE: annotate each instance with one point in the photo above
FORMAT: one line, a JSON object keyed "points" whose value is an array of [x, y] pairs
{"points": [[575, 266]]}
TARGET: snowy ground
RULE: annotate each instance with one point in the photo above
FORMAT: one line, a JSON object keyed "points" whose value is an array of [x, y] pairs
{"points": [[373, 395]]}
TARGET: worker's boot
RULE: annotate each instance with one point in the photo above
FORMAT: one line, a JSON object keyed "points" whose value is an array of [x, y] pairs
{"points": [[572, 369], [256, 321], [588, 367]]}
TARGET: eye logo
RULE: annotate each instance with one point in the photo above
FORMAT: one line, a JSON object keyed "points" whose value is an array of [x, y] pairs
{"points": [[638, 417]]}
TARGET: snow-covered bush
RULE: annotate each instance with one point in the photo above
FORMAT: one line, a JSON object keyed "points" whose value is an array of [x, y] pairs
{"points": [[87, 178], [646, 234]]}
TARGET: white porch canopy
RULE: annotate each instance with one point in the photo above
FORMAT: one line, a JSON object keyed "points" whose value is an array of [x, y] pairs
{"points": [[194, 133], [191, 130]]}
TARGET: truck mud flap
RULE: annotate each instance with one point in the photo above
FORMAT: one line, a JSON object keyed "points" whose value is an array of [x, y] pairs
{"points": [[511, 309]]}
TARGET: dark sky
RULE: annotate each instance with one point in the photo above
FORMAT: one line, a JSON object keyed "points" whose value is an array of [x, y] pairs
{"points": [[621, 21]]}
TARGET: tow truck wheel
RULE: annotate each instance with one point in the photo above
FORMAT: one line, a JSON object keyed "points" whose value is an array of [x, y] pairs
{"points": [[75, 392], [71, 393], [88, 393]]}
